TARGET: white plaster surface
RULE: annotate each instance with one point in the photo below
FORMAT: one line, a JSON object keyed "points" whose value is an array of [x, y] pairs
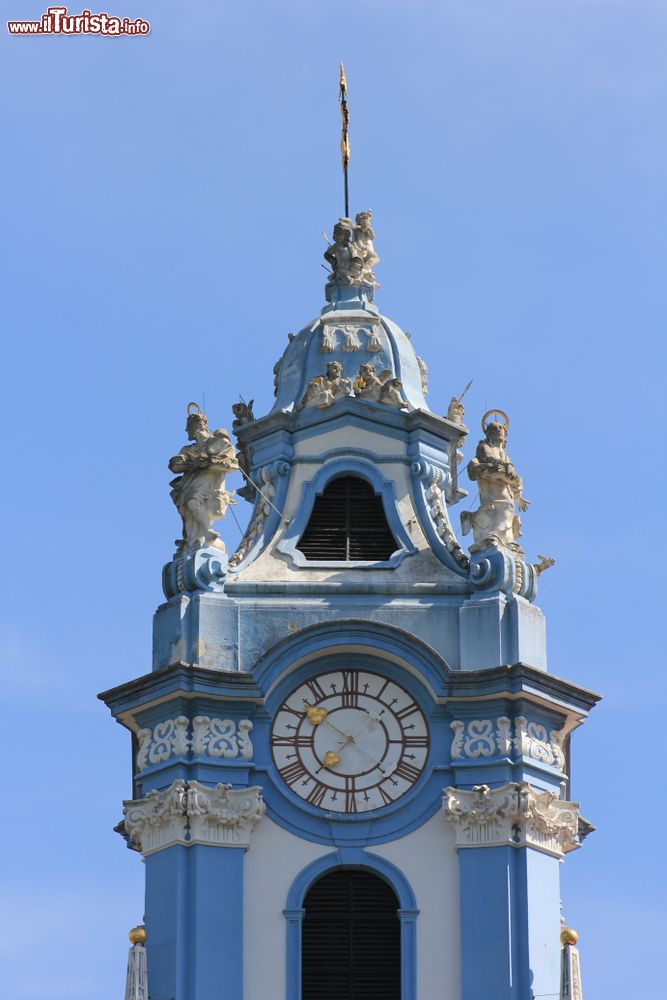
{"points": [[426, 857], [274, 860], [428, 860], [316, 445]]}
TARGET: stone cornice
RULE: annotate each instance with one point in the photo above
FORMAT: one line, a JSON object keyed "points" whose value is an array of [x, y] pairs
{"points": [[181, 679], [189, 813], [350, 410], [515, 815]]}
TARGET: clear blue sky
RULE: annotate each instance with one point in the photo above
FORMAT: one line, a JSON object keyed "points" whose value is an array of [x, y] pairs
{"points": [[163, 201]]}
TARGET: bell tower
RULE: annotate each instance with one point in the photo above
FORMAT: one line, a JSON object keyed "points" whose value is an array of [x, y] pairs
{"points": [[350, 761]]}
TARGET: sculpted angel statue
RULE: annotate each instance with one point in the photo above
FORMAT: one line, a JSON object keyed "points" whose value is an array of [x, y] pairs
{"points": [[495, 523], [199, 490], [351, 255]]}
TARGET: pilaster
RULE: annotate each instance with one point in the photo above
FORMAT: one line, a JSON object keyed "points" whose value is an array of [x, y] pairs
{"points": [[510, 841], [193, 837]]}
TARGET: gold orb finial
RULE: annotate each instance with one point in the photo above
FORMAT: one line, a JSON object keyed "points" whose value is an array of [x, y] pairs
{"points": [[138, 935], [568, 935]]}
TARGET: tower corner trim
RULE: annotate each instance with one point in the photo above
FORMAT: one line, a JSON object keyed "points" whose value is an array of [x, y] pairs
{"points": [[189, 813], [515, 815]]}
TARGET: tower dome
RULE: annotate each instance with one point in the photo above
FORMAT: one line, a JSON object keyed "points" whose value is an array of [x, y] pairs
{"points": [[351, 348]]}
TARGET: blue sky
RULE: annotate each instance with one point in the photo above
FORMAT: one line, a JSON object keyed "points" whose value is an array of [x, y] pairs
{"points": [[163, 204]]}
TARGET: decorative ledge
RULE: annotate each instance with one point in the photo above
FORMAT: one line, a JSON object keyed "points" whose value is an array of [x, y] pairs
{"points": [[189, 813], [516, 815]]}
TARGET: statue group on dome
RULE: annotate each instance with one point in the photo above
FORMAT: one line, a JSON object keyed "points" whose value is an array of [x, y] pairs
{"points": [[352, 256], [323, 390]]}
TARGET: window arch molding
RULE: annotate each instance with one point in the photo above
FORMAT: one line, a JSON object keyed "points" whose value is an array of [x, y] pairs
{"points": [[311, 488], [352, 857]]}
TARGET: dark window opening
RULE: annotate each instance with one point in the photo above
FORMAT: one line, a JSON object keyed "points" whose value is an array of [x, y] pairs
{"points": [[351, 939], [348, 523]]}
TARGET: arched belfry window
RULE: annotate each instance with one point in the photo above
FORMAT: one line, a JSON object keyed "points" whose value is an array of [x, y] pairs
{"points": [[347, 523], [351, 939]]}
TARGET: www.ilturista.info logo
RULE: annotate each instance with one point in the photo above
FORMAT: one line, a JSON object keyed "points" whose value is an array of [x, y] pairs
{"points": [[57, 21]]}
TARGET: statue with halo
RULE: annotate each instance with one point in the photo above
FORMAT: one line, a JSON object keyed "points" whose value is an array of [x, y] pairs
{"points": [[496, 523], [198, 490]]}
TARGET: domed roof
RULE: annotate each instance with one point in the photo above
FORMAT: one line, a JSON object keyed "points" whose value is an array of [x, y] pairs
{"points": [[351, 349]]}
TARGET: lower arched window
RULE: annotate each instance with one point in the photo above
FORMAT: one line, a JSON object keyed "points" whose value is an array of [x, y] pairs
{"points": [[351, 938]]}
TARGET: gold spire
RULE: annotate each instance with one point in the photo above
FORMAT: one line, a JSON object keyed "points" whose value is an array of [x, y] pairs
{"points": [[345, 138]]}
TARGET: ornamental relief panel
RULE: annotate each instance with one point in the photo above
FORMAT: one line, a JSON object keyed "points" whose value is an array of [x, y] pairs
{"points": [[208, 737], [477, 738]]}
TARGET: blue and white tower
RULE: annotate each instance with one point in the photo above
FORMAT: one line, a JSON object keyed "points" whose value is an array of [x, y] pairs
{"points": [[350, 761]]}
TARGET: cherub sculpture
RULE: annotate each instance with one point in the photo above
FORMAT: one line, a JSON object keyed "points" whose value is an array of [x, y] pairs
{"points": [[346, 262], [243, 415], [351, 255], [199, 488], [455, 410], [323, 390], [496, 523], [382, 388], [363, 239]]}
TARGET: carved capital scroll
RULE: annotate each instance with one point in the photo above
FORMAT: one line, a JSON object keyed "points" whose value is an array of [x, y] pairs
{"points": [[515, 814]]}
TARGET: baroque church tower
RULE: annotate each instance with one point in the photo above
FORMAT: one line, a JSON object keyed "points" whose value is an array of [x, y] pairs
{"points": [[350, 764]]}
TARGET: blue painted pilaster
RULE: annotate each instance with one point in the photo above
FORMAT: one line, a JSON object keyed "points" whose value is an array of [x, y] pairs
{"points": [[167, 943], [510, 906], [194, 922], [216, 922]]}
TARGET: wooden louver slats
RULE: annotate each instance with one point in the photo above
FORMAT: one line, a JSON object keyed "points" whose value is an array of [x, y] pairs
{"points": [[348, 523], [351, 939]]}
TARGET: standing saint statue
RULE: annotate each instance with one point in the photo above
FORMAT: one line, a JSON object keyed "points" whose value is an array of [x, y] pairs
{"points": [[199, 490], [496, 523]]}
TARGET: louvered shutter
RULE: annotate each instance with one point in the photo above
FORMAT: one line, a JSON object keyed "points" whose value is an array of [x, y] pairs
{"points": [[348, 523], [351, 947]]}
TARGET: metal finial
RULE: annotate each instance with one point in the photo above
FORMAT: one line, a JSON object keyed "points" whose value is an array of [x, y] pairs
{"points": [[345, 137]]}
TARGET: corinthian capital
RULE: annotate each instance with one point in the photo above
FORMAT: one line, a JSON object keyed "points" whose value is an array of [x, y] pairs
{"points": [[516, 814], [223, 815], [191, 813], [157, 821]]}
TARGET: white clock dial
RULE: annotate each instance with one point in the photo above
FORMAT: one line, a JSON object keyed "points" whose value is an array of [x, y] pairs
{"points": [[349, 741]]}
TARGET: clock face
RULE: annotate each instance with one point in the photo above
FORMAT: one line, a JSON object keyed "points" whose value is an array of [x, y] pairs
{"points": [[349, 741]]}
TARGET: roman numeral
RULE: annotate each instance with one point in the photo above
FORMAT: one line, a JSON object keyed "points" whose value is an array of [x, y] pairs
{"points": [[405, 712], [350, 688], [416, 741], [315, 689], [316, 795], [386, 799], [350, 799], [293, 772], [292, 741], [407, 771]]}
